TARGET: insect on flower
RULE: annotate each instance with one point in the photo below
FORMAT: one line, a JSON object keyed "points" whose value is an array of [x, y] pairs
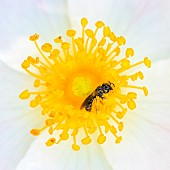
{"points": [[98, 92], [67, 72]]}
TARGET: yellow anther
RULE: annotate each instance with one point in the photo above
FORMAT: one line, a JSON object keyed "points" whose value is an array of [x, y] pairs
{"points": [[64, 136], [24, 95], [79, 41], [35, 132], [25, 64], [134, 77], [84, 22], [132, 95], [131, 104], [89, 33], [55, 52], [75, 147], [58, 39], [33, 103], [34, 37], [123, 100], [50, 142], [101, 51], [71, 33], [86, 140], [36, 83], [94, 41], [145, 90], [52, 56], [99, 24], [147, 62], [113, 130], [37, 60], [129, 52], [101, 139], [121, 40], [117, 51], [47, 47], [65, 45], [33, 60], [112, 36], [140, 74], [125, 63], [102, 42], [106, 31], [118, 139], [49, 122], [121, 126]]}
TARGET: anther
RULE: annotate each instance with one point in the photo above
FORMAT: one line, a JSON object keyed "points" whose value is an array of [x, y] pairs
{"points": [[99, 24], [84, 22], [50, 141], [35, 132], [101, 139], [58, 39], [121, 40], [24, 95], [118, 139], [86, 140], [106, 31], [26, 64], [37, 83], [71, 33], [129, 52], [147, 62], [131, 104], [34, 37], [47, 47]]}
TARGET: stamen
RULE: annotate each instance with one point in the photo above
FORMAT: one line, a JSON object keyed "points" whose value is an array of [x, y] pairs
{"points": [[69, 84], [86, 140], [50, 142], [75, 147], [42, 53]]}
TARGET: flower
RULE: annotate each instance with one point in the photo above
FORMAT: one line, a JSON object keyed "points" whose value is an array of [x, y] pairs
{"points": [[67, 78], [118, 155]]}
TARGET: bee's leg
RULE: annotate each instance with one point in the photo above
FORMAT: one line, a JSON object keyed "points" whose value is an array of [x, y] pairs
{"points": [[96, 104], [101, 102], [102, 97]]}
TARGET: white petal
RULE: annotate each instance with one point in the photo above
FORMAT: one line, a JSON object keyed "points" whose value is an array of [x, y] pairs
{"points": [[145, 24], [61, 156], [15, 121], [146, 135], [20, 19]]}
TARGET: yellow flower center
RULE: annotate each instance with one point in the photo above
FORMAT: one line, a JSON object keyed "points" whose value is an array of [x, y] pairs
{"points": [[83, 86]]}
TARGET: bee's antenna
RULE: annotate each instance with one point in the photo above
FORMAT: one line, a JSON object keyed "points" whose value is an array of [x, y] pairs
{"points": [[112, 84]]}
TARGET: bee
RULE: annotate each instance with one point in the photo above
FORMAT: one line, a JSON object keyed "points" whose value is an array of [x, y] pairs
{"points": [[99, 91]]}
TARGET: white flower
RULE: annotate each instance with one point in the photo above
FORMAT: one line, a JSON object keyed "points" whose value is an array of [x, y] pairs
{"points": [[146, 135]]}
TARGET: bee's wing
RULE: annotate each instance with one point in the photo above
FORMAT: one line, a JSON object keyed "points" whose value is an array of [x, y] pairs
{"points": [[86, 100]]}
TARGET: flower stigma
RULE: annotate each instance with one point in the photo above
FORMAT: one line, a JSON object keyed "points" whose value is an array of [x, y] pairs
{"points": [[66, 73]]}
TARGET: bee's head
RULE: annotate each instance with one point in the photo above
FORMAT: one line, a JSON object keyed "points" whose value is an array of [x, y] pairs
{"points": [[106, 87]]}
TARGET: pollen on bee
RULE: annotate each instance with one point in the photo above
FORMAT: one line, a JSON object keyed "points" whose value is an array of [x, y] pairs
{"points": [[83, 85]]}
